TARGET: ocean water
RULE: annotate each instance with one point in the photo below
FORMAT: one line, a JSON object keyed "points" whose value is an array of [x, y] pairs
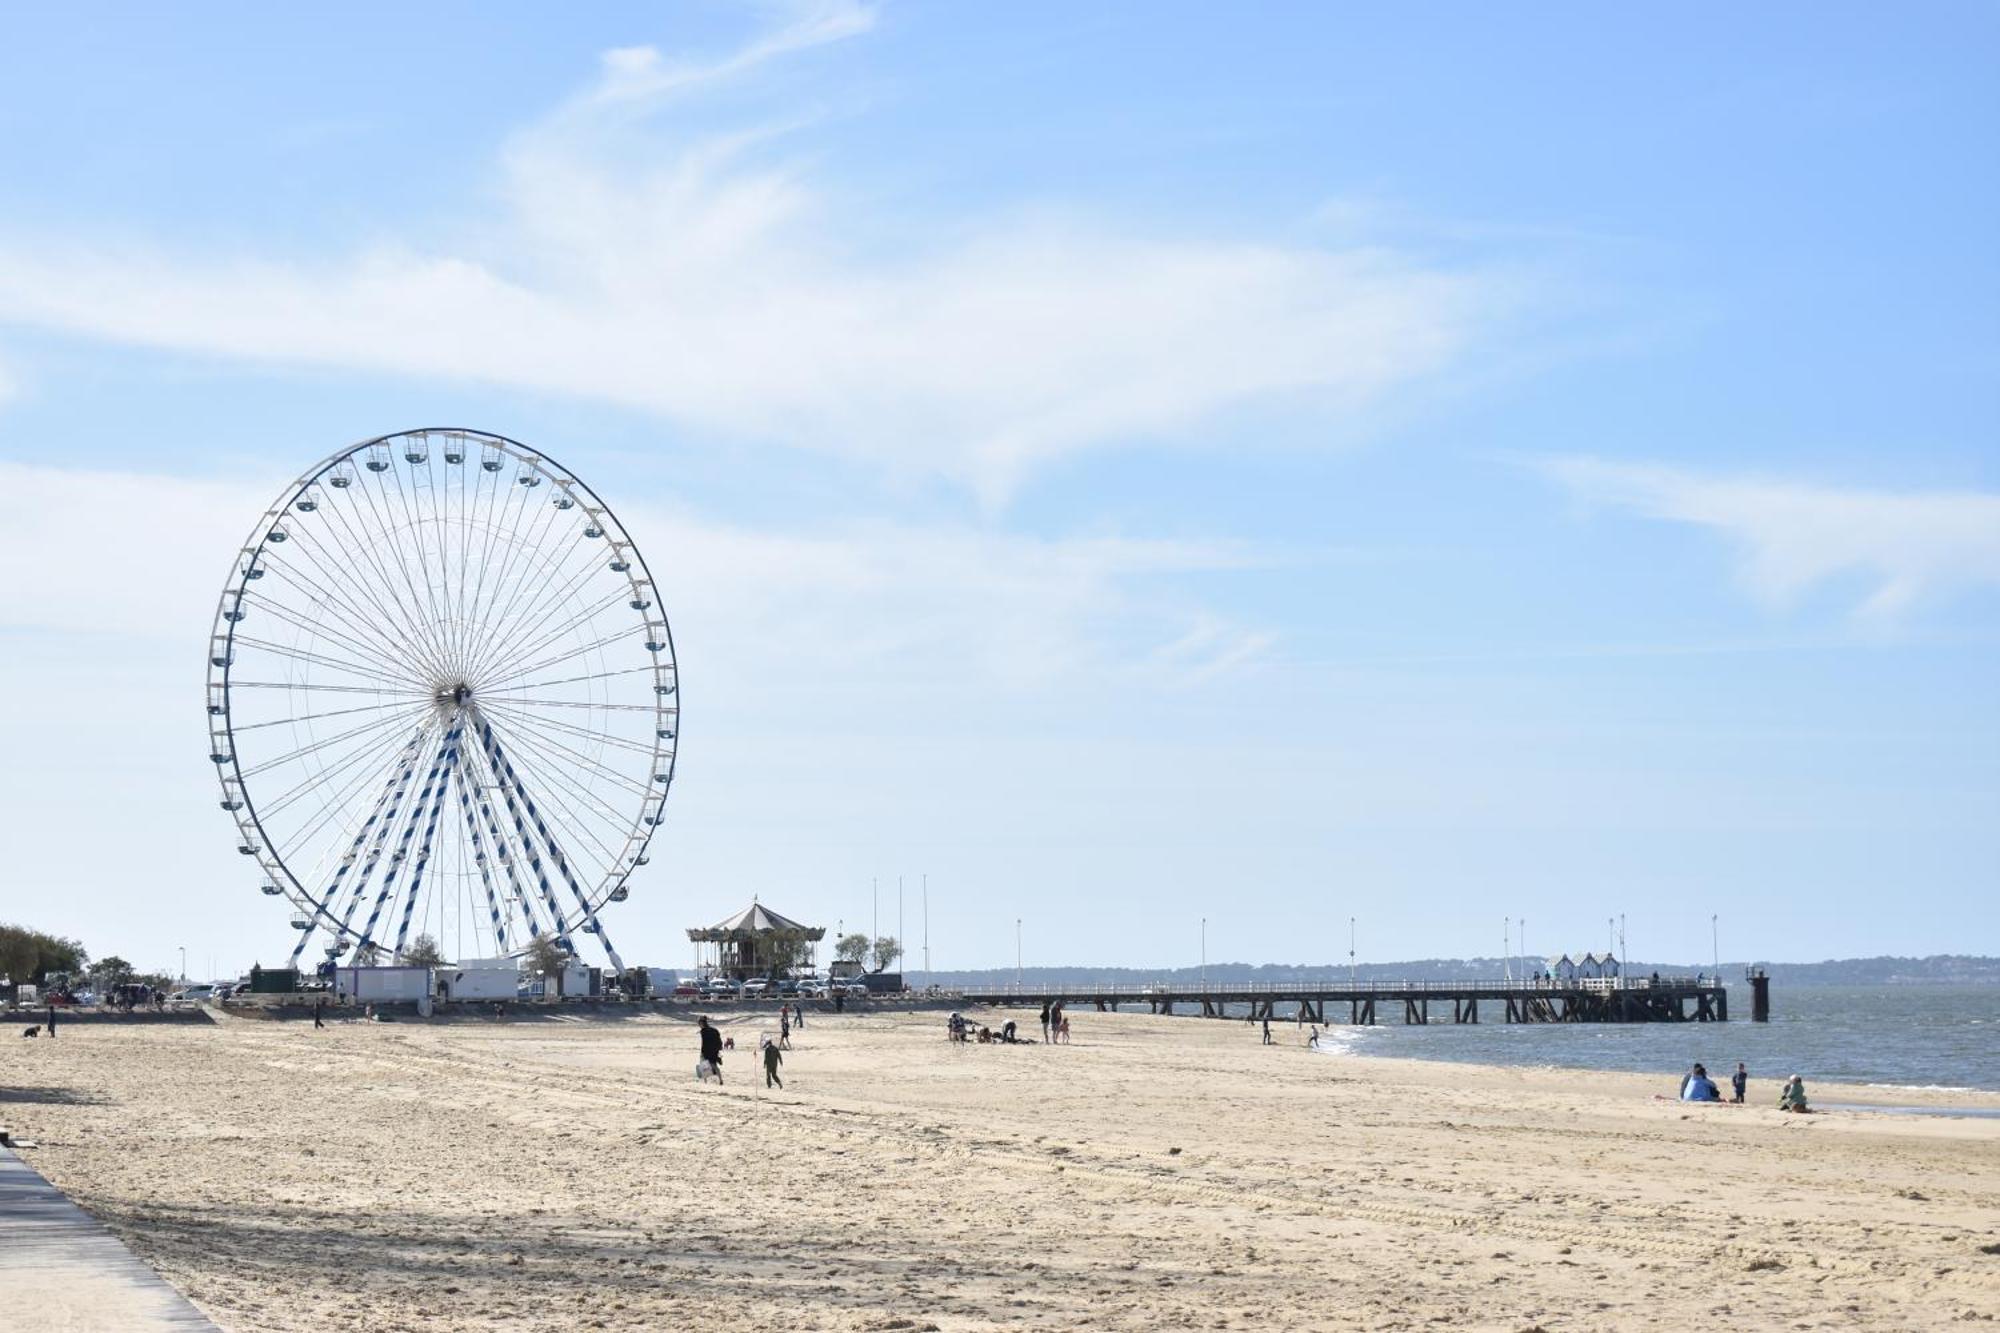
{"points": [[1889, 1036]]}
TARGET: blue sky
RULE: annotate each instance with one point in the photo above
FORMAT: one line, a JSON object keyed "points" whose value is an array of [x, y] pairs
{"points": [[1278, 464]]}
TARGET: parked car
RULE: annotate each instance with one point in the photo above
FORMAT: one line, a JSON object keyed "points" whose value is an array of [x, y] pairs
{"points": [[855, 990], [686, 990], [788, 987], [812, 990], [756, 986]]}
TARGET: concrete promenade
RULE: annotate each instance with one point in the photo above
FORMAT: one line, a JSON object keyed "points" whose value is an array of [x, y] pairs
{"points": [[62, 1272]]}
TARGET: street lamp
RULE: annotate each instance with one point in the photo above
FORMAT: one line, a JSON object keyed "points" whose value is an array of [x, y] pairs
{"points": [[184, 961], [1350, 953], [1204, 955], [1017, 953]]}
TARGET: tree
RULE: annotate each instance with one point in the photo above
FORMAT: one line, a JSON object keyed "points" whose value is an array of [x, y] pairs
{"points": [[851, 948], [884, 951], [549, 959], [423, 952], [108, 972], [30, 955]]}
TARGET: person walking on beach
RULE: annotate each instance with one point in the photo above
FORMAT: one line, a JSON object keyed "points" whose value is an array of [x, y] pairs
{"points": [[1045, 1021], [52, 1018], [711, 1047], [773, 1057], [1739, 1082], [1312, 1042], [785, 1030], [319, 1013], [1267, 1029], [1056, 1020]]}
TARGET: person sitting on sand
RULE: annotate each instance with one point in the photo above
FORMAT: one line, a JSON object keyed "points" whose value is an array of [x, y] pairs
{"points": [[1698, 1087], [1793, 1098]]}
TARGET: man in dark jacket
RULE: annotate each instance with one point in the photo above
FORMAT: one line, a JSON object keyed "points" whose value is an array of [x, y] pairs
{"points": [[711, 1047]]}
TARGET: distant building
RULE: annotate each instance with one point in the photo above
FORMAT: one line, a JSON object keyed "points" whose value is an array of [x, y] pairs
{"points": [[1562, 969], [756, 942], [1588, 968]]}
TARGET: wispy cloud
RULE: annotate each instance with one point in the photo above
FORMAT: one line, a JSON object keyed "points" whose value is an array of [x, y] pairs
{"points": [[1793, 535], [697, 274], [888, 608]]}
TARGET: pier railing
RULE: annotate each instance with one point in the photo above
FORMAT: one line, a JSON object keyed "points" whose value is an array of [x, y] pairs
{"points": [[1137, 992]]}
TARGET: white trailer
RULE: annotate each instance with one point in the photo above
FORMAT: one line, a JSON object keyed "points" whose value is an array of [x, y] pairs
{"points": [[479, 979], [382, 984]]}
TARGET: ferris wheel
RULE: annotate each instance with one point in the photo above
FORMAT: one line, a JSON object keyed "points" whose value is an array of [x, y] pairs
{"points": [[442, 700]]}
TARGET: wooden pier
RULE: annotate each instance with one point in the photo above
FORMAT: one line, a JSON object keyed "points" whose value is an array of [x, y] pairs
{"points": [[1613, 1000]]}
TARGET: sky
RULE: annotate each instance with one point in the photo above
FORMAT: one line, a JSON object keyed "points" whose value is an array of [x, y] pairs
{"points": [[1171, 477]]}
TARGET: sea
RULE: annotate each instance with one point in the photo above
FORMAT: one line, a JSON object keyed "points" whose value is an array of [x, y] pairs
{"points": [[1930, 1037]]}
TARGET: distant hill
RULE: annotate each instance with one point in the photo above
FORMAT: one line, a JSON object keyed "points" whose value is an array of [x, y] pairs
{"points": [[1938, 969]]}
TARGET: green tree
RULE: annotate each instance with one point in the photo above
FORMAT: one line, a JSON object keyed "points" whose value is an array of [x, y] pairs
{"points": [[423, 952], [851, 948], [108, 972], [549, 959], [30, 955], [884, 951]]}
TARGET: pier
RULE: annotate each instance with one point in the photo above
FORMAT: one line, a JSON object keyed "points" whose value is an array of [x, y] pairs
{"points": [[1594, 1000]]}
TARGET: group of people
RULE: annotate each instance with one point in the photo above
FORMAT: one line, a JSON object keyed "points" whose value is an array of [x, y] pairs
{"points": [[713, 1043], [1055, 1023], [1697, 1086]]}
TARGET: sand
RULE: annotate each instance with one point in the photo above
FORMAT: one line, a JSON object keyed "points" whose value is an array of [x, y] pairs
{"points": [[1155, 1174]]}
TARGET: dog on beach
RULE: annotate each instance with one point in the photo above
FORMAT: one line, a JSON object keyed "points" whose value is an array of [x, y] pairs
{"points": [[34, 1031], [704, 1071]]}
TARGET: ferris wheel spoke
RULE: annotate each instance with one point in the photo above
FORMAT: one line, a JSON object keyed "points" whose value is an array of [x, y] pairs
{"points": [[526, 725], [531, 623], [544, 664], [314, 782], [330, 689], [321, 659], [470, 822], [370, 660], [332, 626], [523, 579], [392, 617], [524, 539], [325, 901], [374, 725], [342, 784], [578, 680], [524, 702], [502, 548], [492, 528], [508, 662], [346, 585], [314, 717], [413, 618], [393, 818], [571, 729], [415, 529]]}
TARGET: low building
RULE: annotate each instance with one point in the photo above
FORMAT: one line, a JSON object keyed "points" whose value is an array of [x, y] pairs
{"points": [[1562, 968]]}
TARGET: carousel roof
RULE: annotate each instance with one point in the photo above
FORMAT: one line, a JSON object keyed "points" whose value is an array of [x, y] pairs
{"points": [[754, 920]]}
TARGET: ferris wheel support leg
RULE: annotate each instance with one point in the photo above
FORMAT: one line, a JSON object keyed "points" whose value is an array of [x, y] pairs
{"points": [[402, 851], [479, 859], [416, 884], [595, 926], [323, 913], [503, 776], [511, 858]]}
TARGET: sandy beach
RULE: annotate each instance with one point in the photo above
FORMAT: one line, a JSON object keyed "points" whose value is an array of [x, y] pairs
{"points": [[1155, 1174]]}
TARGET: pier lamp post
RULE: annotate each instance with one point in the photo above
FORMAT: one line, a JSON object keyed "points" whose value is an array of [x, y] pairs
{"points": [[1350, 953], [1715, 942], [184, 961], [1017, 953], [1204, 955]]}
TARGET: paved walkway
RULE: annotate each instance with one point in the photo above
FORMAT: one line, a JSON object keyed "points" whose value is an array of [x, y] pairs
{"points": [[62, 1272]]}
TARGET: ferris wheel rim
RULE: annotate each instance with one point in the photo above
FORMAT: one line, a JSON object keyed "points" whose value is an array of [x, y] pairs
{"points": [[240, 797]]}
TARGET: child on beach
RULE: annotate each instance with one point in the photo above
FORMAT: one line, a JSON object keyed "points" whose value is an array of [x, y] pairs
{"points": [[773, 1057]]}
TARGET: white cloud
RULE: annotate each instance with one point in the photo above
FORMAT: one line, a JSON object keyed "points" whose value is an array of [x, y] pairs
{"points": [[698, 276], [142, 558], [1794, 535]]}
